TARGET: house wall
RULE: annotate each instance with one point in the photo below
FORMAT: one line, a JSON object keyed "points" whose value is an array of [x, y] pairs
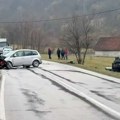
{"points": [[108, 53]]}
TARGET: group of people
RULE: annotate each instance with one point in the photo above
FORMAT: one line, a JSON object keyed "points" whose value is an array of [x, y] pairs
{"points": [[61, 53]]}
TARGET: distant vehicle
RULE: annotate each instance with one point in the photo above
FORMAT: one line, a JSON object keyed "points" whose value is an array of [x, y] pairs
{"points": [[7, 49], [116, 64], [22, 57], [3, 43]]}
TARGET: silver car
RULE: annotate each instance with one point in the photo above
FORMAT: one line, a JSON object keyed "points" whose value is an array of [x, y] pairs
{"points": [[23, 57]]}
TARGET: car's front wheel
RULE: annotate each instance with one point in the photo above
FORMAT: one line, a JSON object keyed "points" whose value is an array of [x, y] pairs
{"points": [[9, 65], [35, 63]]}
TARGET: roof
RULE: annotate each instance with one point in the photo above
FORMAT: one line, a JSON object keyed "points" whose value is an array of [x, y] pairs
{"points": [[108, 44], [3, 39]]}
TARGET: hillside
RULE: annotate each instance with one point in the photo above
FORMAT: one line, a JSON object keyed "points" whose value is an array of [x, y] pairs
{"points": [[107, 24], [36, 9]]}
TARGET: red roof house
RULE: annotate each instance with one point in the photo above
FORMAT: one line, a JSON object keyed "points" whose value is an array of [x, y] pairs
{"points": [[108, 46]]}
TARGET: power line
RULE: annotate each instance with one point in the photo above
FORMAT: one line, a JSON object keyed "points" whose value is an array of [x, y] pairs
{"points": [[64, 18]]}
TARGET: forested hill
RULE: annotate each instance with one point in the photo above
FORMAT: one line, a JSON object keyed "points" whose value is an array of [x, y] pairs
{"points": [[105, 24], [35, 10], [45, 9]]}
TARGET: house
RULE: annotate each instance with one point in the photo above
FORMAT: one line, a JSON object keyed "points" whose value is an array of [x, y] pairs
{"points": [[108, 46]]}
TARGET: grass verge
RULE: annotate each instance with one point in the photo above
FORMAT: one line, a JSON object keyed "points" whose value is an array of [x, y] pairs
{"points": [[96, 64]]}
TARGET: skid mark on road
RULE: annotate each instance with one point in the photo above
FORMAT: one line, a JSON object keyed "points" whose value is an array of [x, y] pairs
{"points": [[32, 97], [57, 84], [113, 85], [106, 96], [39, 112], [112, 81], [98, 93], [101, 95], [33, 102], [80, 83]]}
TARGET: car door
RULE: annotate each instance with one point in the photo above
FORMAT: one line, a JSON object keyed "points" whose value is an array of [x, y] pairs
{"points": [[28, 57], [18, 58]]}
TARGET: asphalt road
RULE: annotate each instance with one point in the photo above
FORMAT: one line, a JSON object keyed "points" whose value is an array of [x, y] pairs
{"points": [[32, 94]]}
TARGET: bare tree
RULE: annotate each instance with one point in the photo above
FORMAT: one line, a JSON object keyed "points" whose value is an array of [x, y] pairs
{"points": [[41, 41], [26, 29], [72, 37], [76, 37], [87, 30], [12, 34], [25, 35], [19, 34], [37, 39], [33, 39]]}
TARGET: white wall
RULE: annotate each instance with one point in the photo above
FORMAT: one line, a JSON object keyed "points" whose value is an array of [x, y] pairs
{"points": [[108, 53]]}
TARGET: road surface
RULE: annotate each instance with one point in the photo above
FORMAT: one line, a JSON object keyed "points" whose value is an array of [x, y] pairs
{"points": [[34, 94]]}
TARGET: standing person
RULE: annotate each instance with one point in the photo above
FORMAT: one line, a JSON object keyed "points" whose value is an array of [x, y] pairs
{"points": [[66, 53], [62, 54], [49, 53], [58, 53]]}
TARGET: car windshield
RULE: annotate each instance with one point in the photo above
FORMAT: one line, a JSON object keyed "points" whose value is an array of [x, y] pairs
{"points": [[9, 54], [2, 44]]}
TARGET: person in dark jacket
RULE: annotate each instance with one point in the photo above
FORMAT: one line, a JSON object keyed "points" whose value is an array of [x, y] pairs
{"points": [[49, 53], [63, 54], [58, 53]]}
